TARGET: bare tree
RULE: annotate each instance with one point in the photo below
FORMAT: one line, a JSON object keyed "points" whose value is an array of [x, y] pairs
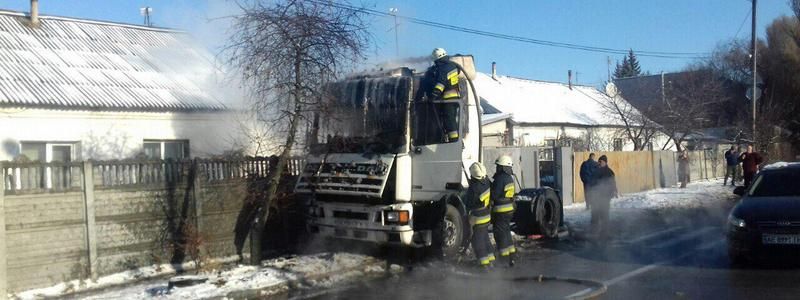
{"points": [[636, 127], [795, 7], [287, 50], [688, 100]]}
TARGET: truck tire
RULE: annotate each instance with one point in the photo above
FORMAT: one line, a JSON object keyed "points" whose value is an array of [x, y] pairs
{"points": [[453, 231], [548, 214]]}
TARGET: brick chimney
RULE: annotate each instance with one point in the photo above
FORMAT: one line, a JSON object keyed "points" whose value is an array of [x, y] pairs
{"points": [[34, 13], [494, 70]]}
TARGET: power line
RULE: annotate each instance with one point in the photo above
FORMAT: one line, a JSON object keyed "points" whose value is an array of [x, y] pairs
{"points": [[658, 54], [746, 16]]}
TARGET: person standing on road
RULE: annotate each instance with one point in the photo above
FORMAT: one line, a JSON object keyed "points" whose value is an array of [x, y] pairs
{"points": [[731, 161], [750, 162], [604, 187], [477, 204], [503, 190], [587, 169], [683, 168]]}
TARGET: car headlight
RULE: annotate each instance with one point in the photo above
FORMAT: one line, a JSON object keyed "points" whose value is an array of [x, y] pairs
{"points": [[736, 222]]}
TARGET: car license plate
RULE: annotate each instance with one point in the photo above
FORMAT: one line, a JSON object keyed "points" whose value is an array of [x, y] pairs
{"points": [[780, 239]]}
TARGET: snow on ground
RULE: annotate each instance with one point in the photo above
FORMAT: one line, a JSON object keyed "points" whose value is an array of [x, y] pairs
{"points": [[274, 276], [695, 195]]}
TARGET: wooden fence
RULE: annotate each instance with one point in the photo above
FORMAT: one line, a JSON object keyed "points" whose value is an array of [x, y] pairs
{"points": [[638, 171]]}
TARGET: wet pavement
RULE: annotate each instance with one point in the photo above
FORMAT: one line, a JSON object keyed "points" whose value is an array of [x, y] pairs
{"points": [[659, 253]]}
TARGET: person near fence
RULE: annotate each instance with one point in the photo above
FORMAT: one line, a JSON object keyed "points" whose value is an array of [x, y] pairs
{"points": [[604, 187], [750, 162], [731, 162], [587, 169], [683, 168]]}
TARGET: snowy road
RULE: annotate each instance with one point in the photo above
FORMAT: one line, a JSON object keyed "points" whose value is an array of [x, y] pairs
{"points": [[668, 243]]}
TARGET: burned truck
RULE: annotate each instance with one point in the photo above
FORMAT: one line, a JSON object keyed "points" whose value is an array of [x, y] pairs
{"points": [[383, 170]]}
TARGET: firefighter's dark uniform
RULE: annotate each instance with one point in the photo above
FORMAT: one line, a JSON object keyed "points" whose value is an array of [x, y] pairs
{"points": [[477, 203], [503, 190], [442, 81]]}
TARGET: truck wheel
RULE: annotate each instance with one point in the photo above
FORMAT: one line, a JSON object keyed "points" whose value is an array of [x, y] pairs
{"points": [[452, 232], [548, 215]]}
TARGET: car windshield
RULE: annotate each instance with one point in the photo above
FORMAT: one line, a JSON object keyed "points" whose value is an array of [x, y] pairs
{"points": [[777, 184], [365, 115]]}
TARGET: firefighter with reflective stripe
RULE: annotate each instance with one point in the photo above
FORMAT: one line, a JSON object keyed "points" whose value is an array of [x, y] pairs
{"points": [[503, 190], [441, 83], [477, 203]]}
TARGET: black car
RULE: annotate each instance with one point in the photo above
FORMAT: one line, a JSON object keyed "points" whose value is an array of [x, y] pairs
{"points": [[767, 218]]}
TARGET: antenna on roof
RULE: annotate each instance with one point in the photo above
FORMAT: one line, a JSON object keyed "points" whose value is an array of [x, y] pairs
{"points": [[145, 12]]}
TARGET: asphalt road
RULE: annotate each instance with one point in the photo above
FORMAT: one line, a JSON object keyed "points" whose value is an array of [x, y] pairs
{"points": [[656, 254]]}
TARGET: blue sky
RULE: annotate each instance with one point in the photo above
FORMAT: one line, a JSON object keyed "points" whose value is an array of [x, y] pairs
{"points": [[671, 26]]}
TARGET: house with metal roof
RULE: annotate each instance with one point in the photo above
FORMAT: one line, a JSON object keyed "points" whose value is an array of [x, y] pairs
{"points": [[548, 114], [74, 89]]}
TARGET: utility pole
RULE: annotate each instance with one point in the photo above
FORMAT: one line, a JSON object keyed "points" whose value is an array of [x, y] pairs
{"points": [[608, 68], [393, 12], [755, 73]]}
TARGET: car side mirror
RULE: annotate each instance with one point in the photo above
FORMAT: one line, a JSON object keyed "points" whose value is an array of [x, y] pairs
{"points": [[739, 190]]}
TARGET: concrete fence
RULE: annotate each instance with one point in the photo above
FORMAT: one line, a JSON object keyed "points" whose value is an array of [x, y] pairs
{"points": [[81, 220]]}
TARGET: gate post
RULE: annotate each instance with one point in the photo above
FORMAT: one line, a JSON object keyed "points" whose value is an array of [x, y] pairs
{"points": [[3, 240]]}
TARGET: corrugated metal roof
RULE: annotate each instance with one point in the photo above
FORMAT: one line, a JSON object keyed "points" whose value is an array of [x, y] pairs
{"points": [[83, 64]]}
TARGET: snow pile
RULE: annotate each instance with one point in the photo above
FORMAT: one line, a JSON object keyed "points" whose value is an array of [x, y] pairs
{"points": [[111, 280], [275, 276], [696, 195]]}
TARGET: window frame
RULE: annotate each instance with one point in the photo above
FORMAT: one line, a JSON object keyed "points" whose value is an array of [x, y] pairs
{"points": [[186, 153], [48, 149]]}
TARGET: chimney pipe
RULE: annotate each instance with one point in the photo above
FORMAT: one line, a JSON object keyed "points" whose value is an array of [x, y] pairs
{"points": [[494, 70], [569, 78], [34, 13]]}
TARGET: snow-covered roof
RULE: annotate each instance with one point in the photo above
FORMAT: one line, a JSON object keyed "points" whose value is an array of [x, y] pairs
{"points": [[83, 64], [532, 101], [491, 118]]}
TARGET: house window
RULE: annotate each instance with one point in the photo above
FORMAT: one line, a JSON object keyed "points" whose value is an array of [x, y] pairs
{"points": [[166, 149], [617, 144], [549, 143], [49, 151]]}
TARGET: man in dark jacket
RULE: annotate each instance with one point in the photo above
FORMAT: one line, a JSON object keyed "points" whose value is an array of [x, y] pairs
{"points": [[477, 204], [604, 187], [441, 83], [750, 162], [503, 190], [587, 169], [731, 161]]}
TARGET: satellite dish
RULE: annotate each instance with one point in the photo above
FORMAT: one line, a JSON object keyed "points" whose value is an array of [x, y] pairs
{"points": [[611, 89], [749, 93]]}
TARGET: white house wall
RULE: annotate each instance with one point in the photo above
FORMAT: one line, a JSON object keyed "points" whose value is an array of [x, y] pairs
{"points": [[493, 133], [530, 135], [118, 135]]}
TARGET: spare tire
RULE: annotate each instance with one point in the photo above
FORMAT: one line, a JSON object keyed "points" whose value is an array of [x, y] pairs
{"points": [[547, 212]]}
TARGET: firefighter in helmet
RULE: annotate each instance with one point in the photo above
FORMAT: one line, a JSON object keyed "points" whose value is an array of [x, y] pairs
{"points": [[441, 83], [503, 190], [477, 203]]}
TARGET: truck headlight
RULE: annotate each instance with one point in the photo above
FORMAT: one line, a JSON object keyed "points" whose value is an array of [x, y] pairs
{"points": [[396, 216], [736, 222]]}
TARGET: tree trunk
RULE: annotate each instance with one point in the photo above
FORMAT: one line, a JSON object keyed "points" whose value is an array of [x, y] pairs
{"points": [[274, 178]]}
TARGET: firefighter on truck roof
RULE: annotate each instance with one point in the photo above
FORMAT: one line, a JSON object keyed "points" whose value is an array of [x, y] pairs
{"points": [[477, 204], [441, 83], [503, 190]]}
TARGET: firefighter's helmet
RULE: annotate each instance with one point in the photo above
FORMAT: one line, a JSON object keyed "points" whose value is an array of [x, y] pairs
{"points": [[438, 53], [504, 160], [477, 170]]}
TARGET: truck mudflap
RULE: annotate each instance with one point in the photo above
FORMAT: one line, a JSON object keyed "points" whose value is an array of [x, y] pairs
{"points": [[539, 211], [367, 223]]}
